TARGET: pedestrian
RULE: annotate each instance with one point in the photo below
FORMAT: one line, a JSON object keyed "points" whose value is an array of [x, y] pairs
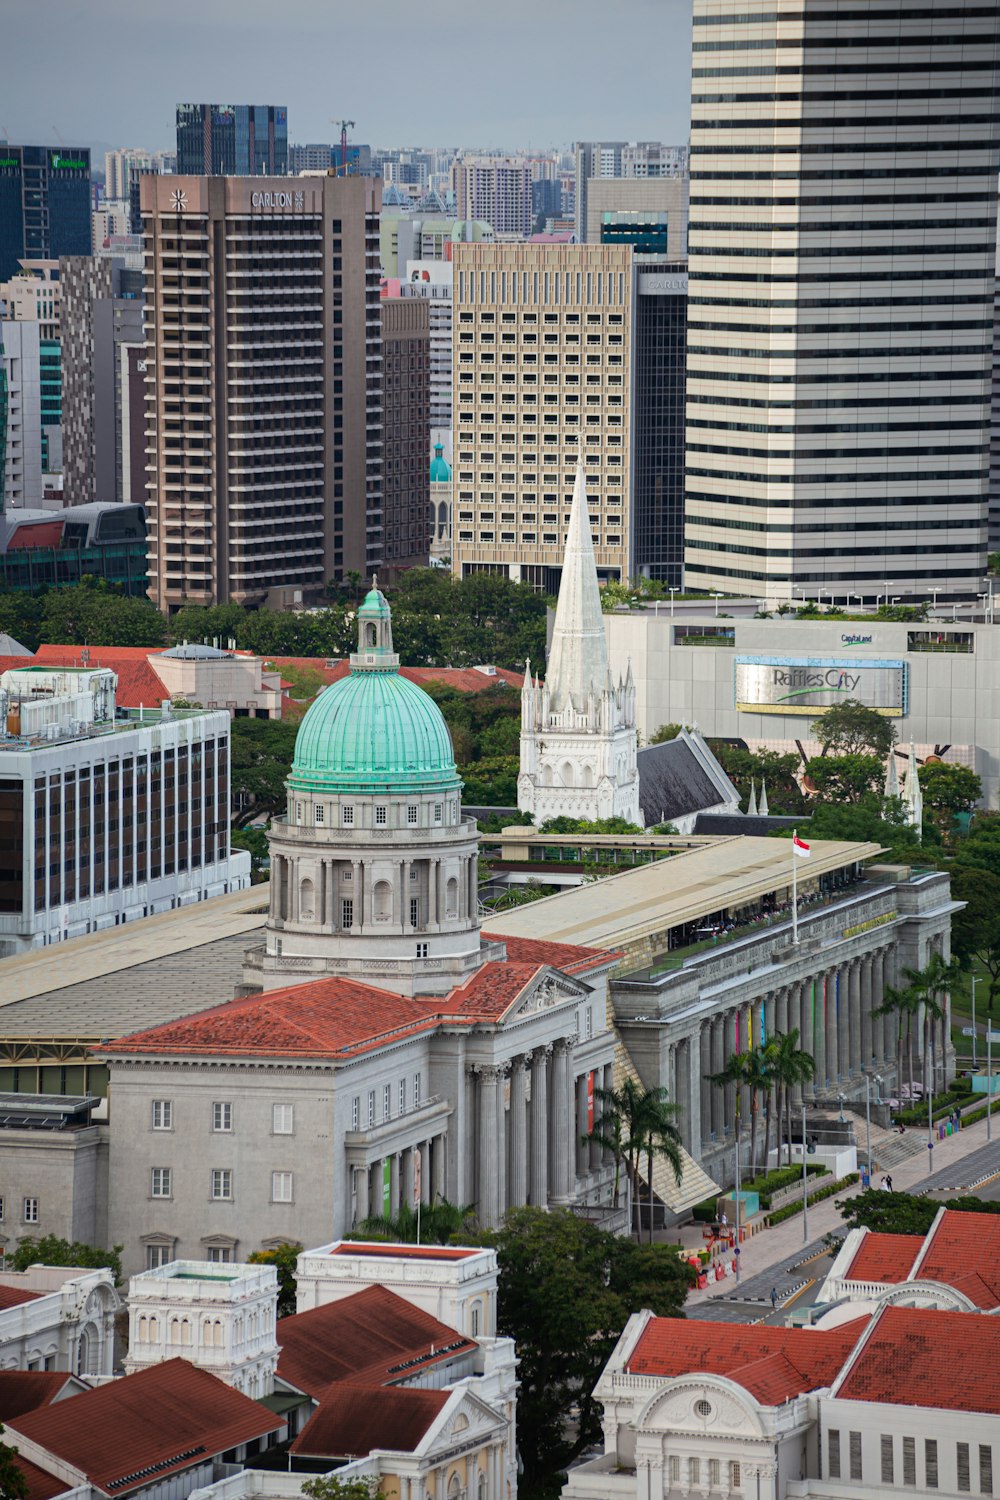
{"points": [[884, 1185], [888, 1183], [724, 1221], [774, 1299]]}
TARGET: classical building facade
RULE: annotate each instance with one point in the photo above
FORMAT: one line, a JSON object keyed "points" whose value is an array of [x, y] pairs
{"points": [[578, 736]]}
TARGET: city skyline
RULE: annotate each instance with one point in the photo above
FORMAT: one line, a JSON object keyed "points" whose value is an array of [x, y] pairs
{"points": [[559, 89]]}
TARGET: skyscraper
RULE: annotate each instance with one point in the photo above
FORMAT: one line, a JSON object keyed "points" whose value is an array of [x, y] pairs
{"points": [[406, 394], [232, 140], [263, 385], [44, 204], [497, 189], [844, 159]]}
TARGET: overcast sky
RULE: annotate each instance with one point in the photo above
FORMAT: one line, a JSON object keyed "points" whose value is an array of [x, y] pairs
{"points": [[431, 72]]}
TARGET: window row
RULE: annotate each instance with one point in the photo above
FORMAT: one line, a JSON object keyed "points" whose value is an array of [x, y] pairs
{"points": [[387, 1093], [437, 813], [221, 1116], [161, 1184], [905, 1472], [29, 1210]]}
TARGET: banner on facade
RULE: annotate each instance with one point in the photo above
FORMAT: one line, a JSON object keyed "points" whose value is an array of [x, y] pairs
{"points": [[590, 1101], [386, 1187], [417, 1177]]}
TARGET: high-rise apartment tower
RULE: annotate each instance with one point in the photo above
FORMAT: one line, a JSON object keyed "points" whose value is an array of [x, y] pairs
{"points": [[844, 159], [263, 385]]}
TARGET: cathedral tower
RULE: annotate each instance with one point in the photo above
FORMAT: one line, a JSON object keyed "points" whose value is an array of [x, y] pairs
{"points": [[578, 734]]}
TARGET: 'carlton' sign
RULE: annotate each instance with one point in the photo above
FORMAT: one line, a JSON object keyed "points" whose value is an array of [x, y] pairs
{"points": [[808, 684]]}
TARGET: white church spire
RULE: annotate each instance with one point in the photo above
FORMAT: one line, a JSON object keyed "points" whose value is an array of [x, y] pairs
{"points": [[578, 659]]}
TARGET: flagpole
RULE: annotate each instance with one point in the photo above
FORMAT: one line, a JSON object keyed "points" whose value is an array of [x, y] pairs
{"points": [[795, 890]]}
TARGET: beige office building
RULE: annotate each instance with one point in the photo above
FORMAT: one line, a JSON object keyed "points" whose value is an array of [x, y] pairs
{"points": [[263, 386], [633, 206], [542, 360]]}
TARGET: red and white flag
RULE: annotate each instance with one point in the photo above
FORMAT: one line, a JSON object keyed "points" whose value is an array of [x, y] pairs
{"points": [[800, 846]]}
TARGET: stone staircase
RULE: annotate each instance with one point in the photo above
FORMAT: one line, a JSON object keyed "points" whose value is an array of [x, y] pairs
{"points": [[889, 1148]]}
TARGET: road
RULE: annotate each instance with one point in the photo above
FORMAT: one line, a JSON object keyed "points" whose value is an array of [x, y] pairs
{"points": [[978, 1173]]}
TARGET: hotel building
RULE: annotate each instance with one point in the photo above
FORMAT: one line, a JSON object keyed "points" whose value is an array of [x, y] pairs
{"points": [[263, 386]]}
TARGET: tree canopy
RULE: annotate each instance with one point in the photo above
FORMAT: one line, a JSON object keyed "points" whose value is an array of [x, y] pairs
{"points": [[784, 796], [285, 1259], [332, 1487], [50, 1250], [845, 778], [851, 728], [902, 1213], [948, 789], [566, 1291]]}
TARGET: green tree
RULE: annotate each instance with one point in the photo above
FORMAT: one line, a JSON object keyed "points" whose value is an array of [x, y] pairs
{"points": [[902, 1213], [440, 1223], [873, 820], [949, 790], [13, 1485], [778, 772], [734, 1076], [636, 1122], [566, 1291], [330, 1487], [21, 617], [284, 1258], [789, 1066], [904, 1004], [94, 614], [254, 841], [931, 985], [755, 1078], [851, 728], [660, 1137], [975, 930], [50, 1250], [664, 733], [845, 778], [261, 757]]}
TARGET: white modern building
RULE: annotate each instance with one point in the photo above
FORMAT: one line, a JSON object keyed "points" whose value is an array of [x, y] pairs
{"points": [[108, 820], [433, 279], [765, 680], [496, 189], [578, 735], [21, 413], [842, 243]]}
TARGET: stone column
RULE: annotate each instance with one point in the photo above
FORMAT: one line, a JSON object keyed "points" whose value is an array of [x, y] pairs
{"points": [[356, 896], [682, 1088], [729, 1021], [407, 1178], [361, 1194], [867, 1024], [540, 1127], [394, 1184], [404, 881], [560, 1122], [770, 1012], [781, 1007], [517, 1194], [440, 1155], [692, 1059], [844, 1022], [857, 1054], [582, 1148], [432, 892], [830, 1024], [718, 1098], [704, 1066], [473, 888], [490, 1203], [882, 1024]]}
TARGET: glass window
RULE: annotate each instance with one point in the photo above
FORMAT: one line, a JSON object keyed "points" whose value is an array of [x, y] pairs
{"points": [[222, 1116], [356, 1112], [380, 815], [318, 812], [371, 1108], [402, 1096], [833, 1453], [222, 1183], [416, 1089], [411, 814], [1, 1210], [437, 812], [163, 1114], [220, 1255], [31, 1210], [281, 1187], [348, 815], [386, 1101], [157, 1255], [283, 1119], [347, 912], [160, 1182]]}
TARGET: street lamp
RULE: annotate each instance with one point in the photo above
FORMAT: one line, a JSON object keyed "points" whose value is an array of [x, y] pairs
{"points": [[975, 981], [868, 1121], [673, 590], [717, 597], [805, 1181]]}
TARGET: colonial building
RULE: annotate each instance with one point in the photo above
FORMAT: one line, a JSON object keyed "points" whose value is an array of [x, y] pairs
{"points": [[58, 1318], [578, 735]]}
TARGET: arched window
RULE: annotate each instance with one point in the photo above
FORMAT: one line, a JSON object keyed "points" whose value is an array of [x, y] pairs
{"points": [[174, 1331], [382, 901], [307, 900], [588, 776], [451, 898], [546, 776], [371, 636], [474, 1320], [567, 773], [154, 1329], [185, 1331], [206, 1333], [220, 1334], [143, 1329]]}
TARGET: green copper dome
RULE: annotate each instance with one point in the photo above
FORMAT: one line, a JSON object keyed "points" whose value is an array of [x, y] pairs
{"points": [[374, 731], [440, 471]]}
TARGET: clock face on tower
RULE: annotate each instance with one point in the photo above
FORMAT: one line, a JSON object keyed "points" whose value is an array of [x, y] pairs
{"points": [[178, 200]]}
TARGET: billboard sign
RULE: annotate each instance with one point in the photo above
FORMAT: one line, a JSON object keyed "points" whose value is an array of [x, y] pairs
{"points": [[808, 684]]}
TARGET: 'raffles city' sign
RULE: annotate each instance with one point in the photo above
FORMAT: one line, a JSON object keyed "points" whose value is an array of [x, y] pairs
{"points": [[808, 684]]}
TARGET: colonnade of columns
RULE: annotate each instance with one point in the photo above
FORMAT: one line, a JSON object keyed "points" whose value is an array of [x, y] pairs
{"points": [[444, 892], [834, 1014], [368, 1187], [528, 1116]]}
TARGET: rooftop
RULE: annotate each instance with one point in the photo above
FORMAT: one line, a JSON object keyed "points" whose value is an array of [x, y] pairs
{"points": [[962, 1250], [884, 1258], [371, 1338], [350, 1423], [402, 1252], [164, 1419], [914, 1356], [26, 1390]]}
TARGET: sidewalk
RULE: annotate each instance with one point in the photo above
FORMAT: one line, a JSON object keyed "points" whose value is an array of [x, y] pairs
{"points": [[770, 1246]]}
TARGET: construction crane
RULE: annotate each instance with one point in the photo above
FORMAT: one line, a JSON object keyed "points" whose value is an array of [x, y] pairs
{"points": [[345, 125]]}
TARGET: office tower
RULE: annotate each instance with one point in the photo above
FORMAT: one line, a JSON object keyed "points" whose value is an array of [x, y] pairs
{"points": [[406, 389], [263, 385], [546, 198], [20, 357], [994, 499], [433, 280], [658, 384], [232, 140], [121, 166], [44, 204], [597, 160], [543, 359], [407, 234], [841, 296], [110, 221], [34, 295], [649, 212], [497, 189], [102, 313]]}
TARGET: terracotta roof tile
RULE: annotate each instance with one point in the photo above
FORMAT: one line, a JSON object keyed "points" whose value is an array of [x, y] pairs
{"points": [[138, 682], [26, 1390], [357, 1418], [774, 1364], [168, 1417], [915, 1356], [368, 1338], [963, 1251], [571, 957], [465, 679], [884, 1257], [13, 1296]]}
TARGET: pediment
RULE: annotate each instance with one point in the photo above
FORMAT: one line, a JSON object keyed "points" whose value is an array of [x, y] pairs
{"points": [[548, 989], [473, 1422], [701, 1405]]}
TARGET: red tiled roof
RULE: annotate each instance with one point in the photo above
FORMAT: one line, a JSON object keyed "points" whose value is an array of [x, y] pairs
{"points": [[916, 1356], [41, 1485], [26, 1390], [465, 679], [403, 1252], [357, 1418], [341, 1017], [171, 1416], [963, 1251], [366, 1339], [773, 1364], [138, 682], [13, 1296], [884, 1257]]}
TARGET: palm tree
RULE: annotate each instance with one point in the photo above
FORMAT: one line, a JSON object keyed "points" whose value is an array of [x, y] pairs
{"points": [[440, 1222], [788, 1066], [732, 1075], [661, 1138], [928, 984], [635, 1122], [904, 1005], [609, 1134], [757, 1081]]}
